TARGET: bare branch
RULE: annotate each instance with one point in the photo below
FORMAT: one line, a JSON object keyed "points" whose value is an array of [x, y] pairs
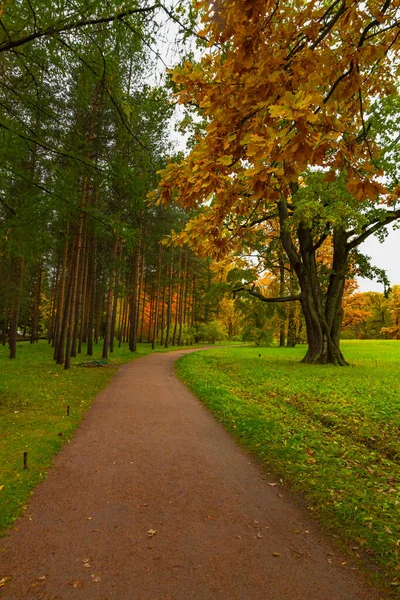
{"points": [[255, 294]]}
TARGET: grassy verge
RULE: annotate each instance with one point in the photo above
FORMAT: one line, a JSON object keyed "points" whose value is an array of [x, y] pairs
{"points": [[331, 433], [34, 396]]}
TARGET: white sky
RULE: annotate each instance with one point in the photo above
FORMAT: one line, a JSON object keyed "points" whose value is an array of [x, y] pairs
{"points": [[385, 256]]}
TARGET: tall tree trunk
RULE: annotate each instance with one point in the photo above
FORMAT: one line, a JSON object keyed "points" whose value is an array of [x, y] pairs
{"points": [[181, 305], [134, 303], [74, 284], [36, 307], [169, 301], [109, 304], [282, 311], [157, 299], [61, 296], [178, 295], [78, 316], [16, 303], [85, 294], [54, 286], [92, 301], [115, 306], [162, 327]]}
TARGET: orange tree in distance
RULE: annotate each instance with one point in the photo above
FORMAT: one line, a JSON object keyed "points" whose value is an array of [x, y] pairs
{"points": [[286, 86]]}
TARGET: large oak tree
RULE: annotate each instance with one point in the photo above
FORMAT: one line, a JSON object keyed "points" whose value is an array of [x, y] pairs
{"points": [[285, 87]]}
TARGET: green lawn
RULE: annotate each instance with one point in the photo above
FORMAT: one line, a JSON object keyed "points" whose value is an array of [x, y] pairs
{"points": [[34, 396], [332, 433]]}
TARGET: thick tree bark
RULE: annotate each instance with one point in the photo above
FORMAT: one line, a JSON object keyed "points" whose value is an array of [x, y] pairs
{"points": [[322, 312]]}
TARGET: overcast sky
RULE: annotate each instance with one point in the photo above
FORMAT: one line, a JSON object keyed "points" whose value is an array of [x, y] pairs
{"points": [[385, 256]]}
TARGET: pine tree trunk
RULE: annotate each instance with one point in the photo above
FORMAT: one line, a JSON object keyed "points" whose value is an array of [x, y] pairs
{"points": [[115, 307], [169, 301], [134, 304], [177, 299], [181, 305], [157, 299], [109, 304], [163, 309], [16, 303], [54, 286], [92, 266], [61, 296], [143, 310], [74, 288], [36, 308], [84, 295]]}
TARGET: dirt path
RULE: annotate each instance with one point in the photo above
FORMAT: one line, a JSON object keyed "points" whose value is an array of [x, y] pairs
{"points": [[149, 458]]}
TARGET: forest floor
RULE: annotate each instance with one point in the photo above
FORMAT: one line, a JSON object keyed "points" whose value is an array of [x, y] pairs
{"points": [[152, 499]]}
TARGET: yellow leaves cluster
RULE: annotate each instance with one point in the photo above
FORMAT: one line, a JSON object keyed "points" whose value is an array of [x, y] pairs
{"points": [[365, 190], [281, 96]]}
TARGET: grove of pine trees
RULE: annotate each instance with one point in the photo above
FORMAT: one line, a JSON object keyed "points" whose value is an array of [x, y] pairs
{"points": [[285, 171]]}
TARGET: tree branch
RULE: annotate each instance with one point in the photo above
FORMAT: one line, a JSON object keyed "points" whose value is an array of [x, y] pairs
{"points": [[55, 29], [390, 217], [263, 298]]}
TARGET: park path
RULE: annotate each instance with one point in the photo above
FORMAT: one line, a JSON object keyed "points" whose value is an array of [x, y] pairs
{"points": [[153, 500]]}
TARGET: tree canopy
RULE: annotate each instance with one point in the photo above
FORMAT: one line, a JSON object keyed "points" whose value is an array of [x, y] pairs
{"points": [[286, 88]]}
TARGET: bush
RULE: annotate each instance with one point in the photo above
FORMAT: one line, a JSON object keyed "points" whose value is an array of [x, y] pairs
{"points": [[211, 332]]}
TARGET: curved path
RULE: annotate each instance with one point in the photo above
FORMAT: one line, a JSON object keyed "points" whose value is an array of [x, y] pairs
{"points": [[153, 500]]}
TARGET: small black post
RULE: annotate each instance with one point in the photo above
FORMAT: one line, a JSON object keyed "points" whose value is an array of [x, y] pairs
{"points": [[68, 411], [25, 460]]}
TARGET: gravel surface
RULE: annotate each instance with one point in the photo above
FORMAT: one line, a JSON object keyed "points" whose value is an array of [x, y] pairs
{"points": [[153, 500]]}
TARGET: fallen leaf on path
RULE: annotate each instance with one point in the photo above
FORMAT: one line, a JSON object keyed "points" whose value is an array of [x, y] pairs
{"points": [[77, 584], [151, 532], [96, 578], [276, 553], [272, 484], [4, 581], [259, 535], [1, 487]]}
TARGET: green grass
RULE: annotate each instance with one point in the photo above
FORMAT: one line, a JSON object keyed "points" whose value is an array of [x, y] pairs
{"points": [[34, 395], [331, 433]]}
